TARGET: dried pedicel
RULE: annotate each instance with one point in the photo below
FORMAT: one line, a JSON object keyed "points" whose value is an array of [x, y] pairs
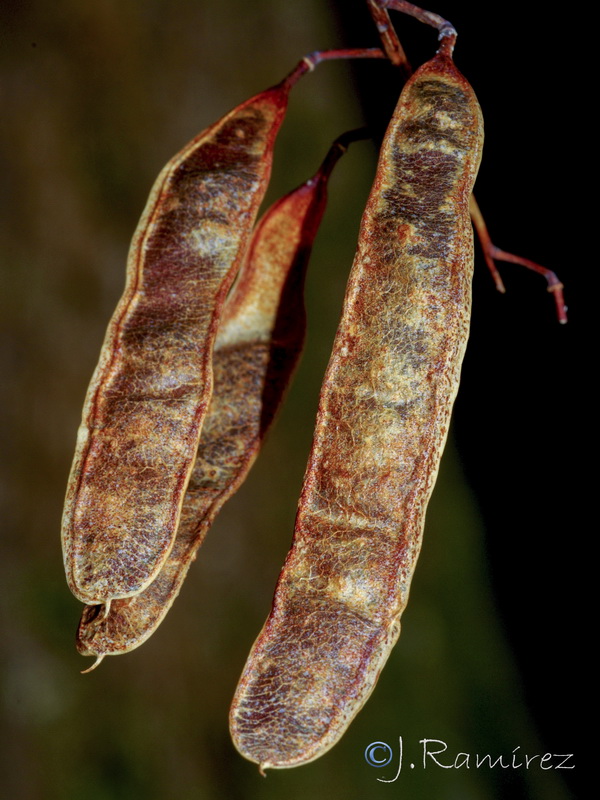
{"points": [[257, 347], [382, 423]]}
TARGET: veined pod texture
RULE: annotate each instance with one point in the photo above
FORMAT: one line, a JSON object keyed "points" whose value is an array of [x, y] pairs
{"points": [[382, 423], [258, 344], [144, 408]]}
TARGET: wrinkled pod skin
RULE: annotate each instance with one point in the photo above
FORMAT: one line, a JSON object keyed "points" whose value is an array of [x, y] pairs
{"points": [[258, 344], [149, 394], [381, 427]]}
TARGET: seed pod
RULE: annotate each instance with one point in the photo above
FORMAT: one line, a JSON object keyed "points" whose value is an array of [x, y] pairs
{"points": [[382, 423], [257, 347], [145, 405], [144, 408]]}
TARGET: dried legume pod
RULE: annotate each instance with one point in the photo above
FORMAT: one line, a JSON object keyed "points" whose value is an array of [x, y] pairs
{"points": [[149, 394], [144, 408], [381, 426]]}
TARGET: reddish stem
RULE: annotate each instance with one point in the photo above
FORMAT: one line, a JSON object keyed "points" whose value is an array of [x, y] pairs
{"points": [[378, 8], [391, 43], [339, 147], [310, 61], [491, 253]]}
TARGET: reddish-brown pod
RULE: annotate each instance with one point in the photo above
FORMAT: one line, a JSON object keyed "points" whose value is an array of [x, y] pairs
{"points": [[257, 347], [144, 408], [381, 426]]}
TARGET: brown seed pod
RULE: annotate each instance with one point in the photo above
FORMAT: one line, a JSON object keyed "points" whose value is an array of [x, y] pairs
{"points": [[257, 347], [382, 423], [144, 408]]}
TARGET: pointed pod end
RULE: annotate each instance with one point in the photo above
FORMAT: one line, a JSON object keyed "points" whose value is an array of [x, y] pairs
{"points": [[96, 663]]}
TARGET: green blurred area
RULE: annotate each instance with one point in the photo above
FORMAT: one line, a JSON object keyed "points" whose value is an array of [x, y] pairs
{"points": [[96, 98]]}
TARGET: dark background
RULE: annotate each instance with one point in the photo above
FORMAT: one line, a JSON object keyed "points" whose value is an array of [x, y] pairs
{"points": [[96, 98]]}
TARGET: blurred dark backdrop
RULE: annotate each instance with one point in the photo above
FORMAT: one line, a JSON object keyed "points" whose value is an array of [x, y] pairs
{"points": [[96, 97]]}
